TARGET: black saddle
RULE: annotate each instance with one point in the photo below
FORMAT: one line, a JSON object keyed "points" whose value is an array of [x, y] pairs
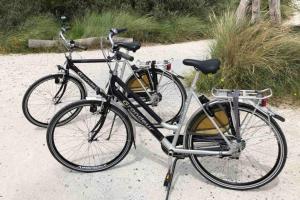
{"points": [[130, 46], [205, 66]]}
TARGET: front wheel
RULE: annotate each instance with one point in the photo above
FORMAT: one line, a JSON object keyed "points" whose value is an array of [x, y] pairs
{"points": [[94, 141], [260, 160], [47, 95]]}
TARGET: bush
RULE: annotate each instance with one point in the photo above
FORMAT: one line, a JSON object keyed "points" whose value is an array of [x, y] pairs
{"points": [[94, 24], [38, 27], [14, 13], [142, 28], [254, 56]]}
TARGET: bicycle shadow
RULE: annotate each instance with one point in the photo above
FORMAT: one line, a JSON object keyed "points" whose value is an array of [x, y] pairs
{"points": [[147, 148]]}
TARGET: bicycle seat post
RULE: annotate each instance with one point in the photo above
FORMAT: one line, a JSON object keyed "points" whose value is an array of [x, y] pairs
{"points": [[193, 85], [123, 68]]}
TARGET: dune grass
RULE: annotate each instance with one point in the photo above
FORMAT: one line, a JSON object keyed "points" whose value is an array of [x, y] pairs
{"points": [[254, 57], [143, 28], [37, 27]]}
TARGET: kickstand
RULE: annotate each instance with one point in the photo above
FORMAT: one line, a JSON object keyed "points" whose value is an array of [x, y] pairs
{"points": [[169, 177]]}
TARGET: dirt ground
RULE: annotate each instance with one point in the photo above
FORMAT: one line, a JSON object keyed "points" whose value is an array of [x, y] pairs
{"points": [[28, 171]]}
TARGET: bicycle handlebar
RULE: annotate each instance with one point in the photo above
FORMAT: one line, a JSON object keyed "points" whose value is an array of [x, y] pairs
{"points": [[116, 31], [124, 55], [70, 44], [113, 32], [118, 54]]}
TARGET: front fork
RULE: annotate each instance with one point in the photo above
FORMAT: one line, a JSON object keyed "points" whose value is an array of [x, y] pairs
{"points": [[61, 91], [103, 111]]}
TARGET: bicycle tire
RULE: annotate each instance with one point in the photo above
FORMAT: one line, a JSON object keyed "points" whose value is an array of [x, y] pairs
{"points": [[56, 134], [36, 119], [175, 114], [198, 161]]}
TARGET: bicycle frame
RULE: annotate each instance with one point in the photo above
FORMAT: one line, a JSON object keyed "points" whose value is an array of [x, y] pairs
{"points": [[114, 89], [93, 85]]}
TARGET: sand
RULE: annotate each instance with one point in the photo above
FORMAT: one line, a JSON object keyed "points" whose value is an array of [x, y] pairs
{"points": [[28, 171]]}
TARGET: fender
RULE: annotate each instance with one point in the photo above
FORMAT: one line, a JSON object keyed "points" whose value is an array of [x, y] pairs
{"points": [[271, 113], [267, 111], [212, 102], [280, 118], [263, 110]]}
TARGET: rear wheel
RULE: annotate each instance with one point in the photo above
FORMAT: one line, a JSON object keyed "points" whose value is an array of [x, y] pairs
{"points": [[167, 99], [74, 146], [263, 154]]}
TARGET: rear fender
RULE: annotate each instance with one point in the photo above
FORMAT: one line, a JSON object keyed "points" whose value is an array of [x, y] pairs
{"points": [[267, 111]]}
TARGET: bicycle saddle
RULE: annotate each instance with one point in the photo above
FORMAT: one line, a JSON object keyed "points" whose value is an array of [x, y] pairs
{"points": [[130, 46], [205, 66]]}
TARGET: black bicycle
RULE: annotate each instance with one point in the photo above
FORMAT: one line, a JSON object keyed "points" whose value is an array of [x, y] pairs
{"points": [[233, 144], [154, 83]]}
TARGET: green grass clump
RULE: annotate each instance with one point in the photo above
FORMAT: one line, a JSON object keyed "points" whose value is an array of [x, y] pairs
{"points": [[143, 28], [254, 57], [96, 24], [182, 28], [38, 27]]}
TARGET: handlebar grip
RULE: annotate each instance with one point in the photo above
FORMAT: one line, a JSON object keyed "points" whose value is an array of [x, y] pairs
{"points": [[116, 31], [125, 56], [121, 30]]}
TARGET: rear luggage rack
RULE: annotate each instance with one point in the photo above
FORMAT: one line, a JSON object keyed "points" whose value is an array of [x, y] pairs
{"points": [[254, 95], [166, 64]]}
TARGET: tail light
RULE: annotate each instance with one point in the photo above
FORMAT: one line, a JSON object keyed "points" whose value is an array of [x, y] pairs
{"points": [[264, 102], [169, 66]]}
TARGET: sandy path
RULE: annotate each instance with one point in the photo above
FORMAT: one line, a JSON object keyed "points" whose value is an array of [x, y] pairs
{"points": [[28, 171], [295, 19]]}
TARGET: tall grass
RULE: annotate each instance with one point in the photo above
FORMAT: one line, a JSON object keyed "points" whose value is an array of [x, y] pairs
{"points": [[37, 27], [255, 56], [143, 28], [96, 24]]}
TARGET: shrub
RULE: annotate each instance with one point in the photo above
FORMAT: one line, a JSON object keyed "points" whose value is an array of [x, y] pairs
{"points": [[254, 56], [38, 27], [14, 13], [142, 28], [94, 24]]}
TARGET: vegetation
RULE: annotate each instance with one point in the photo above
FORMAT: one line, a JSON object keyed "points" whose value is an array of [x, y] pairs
{"points": [[41, 27], [142, 28], [147, 20], [254, 56], [14, 13]]}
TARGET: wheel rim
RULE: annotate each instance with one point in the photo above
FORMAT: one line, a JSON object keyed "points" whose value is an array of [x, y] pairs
{"points": [[171, 98], [258, 163], [85, 155], [41, 104]]}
